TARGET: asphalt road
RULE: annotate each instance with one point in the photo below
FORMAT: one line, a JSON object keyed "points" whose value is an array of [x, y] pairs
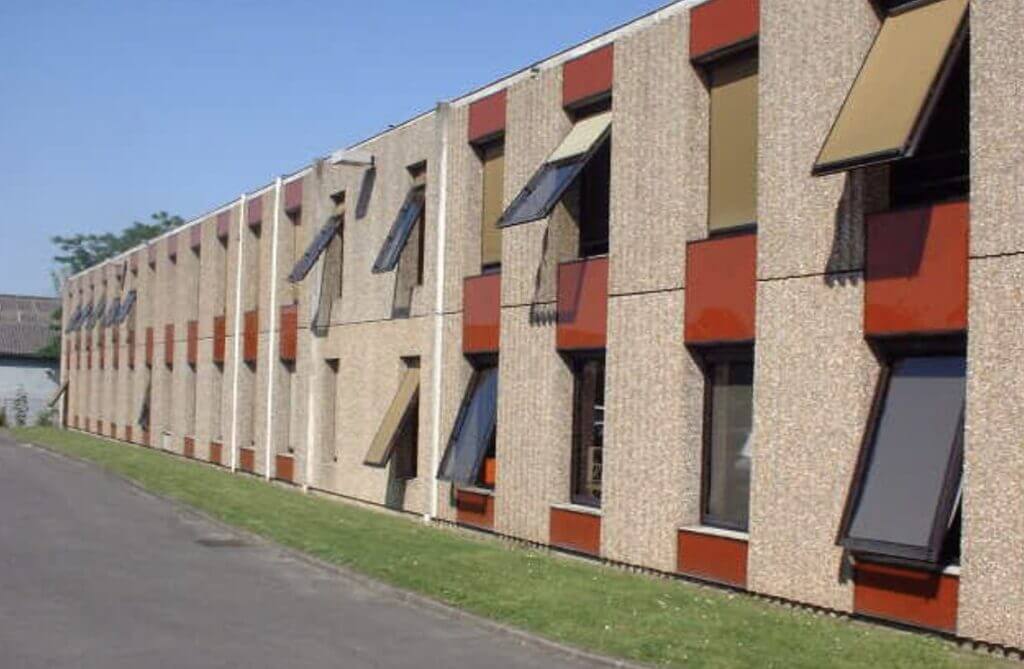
{"points": [[94, 573]]}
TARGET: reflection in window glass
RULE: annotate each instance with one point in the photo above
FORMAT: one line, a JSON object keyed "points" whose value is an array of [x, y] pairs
{"points": [[729, 445], [542, 193], [407, 218], [474, 430], [588, 432]]}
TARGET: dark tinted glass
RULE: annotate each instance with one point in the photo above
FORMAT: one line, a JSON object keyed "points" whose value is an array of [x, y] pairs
{"points": [[315, 249], [595, 189], [542, 193], [75, 318], [391, 251], [731, 413], [474, 430], [588, 432], [98, 312], [909, 483], [126, 306], [113, 312]]}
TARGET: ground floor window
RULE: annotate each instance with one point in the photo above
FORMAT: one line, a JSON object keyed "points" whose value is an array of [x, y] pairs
{"points": [[588, 431], [728, 447]]}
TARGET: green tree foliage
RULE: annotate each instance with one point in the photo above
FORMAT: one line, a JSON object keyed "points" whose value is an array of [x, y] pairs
{"points": [[79, 252]]}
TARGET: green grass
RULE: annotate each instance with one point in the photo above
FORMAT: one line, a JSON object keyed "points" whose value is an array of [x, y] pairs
{"points": [[658, 621]]}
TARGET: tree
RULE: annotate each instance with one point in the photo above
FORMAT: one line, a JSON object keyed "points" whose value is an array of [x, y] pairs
{"points": [[79, 252]]}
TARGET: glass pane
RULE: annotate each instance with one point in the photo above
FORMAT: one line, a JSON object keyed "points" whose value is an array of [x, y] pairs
{"points": [[473, 431], [314, 250], [542, 193], [919, 429], [389, 254], [730, 445], [588, 460]]}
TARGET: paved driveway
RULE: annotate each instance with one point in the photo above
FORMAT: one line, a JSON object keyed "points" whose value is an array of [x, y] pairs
{"points": [[94, 573]]}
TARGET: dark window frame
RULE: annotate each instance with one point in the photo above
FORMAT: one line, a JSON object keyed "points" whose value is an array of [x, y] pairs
{"points": [[709, 360], [474, 386], [577, 475], [315, 249], [890, 352]]}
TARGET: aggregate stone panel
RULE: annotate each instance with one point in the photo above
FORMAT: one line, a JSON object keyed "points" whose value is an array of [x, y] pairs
{"points": [[992, 563], [808, 61], [653, 427], [465, 204], [534, 443], [536, 124], [997, 128], [659, 158], [814, 379]]}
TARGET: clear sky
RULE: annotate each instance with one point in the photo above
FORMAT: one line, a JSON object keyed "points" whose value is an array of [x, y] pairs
{"points": [[111, 110]]}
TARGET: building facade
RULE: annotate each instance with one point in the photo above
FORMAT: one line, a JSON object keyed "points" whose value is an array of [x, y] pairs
{"points": [[730, 291]]}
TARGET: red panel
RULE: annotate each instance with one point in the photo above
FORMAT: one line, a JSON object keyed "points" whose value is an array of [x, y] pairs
{"points": [[916, 270], [289, 332], [284, 468], [721, 289], [713, 558], [172, 247], [219, 338], [102, 350], [487, 116], [720, 24], [490, 473], [190, 447], [216, 452], [127, 432], [576, 531], [192, 344], [149, 347], [131, 349], [195, 236], [583, 304], [254, 211], [588, 76], [293, 195], [247, 460], [169, 345], [151, 250], [223, 224], [481, 313], [251, 336], [115, 345], [475, 509], [145, 437], [905, 595]]}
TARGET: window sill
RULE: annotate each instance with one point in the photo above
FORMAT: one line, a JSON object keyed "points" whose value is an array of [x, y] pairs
{"points": [[949, 570], [578, 508], [720, 532], [488, 492]]}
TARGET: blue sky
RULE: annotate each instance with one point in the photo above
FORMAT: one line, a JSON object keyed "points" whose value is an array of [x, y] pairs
{"points": [[113, 110]]}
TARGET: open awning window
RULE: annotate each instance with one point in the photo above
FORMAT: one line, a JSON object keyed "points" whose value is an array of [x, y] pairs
{"points": [[904, 498], [58, 394], [126, 307], [889, 107], [404, 223], [76, 319], [97, 313], [559, 171], [474, 430], [397, 415], [315, 249], [112, 313]]}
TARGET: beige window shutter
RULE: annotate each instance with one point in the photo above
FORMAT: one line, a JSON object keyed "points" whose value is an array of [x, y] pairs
{"points": [[384, 441], [887, 108], [493, 203], [732, 179], [582, 137]]}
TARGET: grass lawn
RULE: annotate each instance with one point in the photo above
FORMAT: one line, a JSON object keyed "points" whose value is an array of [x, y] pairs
{"points": [[657, 621]]}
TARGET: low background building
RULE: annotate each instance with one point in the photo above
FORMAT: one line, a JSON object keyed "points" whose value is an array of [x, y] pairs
{"points": [[25, 329]]}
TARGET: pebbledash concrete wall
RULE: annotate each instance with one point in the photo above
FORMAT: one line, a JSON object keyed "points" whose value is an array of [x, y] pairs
{"points": [[815, 374]]}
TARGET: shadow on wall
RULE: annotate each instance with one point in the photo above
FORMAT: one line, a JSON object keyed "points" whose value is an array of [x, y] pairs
{"points": [[542, 313], [365, 192], [865, 191]]}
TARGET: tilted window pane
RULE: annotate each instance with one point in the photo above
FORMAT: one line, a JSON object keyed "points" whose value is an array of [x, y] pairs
{"points": [[398, 412], [730, 448], [113, 312], [913, 468], [75, 318], [315, 249], [391, 251], [97, 313], [542, 193], [126, 306], [473, 431], [885, 111]]}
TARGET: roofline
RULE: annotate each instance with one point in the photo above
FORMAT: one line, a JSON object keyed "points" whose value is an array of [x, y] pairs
{"points": [[30, 297], [586, 46]]}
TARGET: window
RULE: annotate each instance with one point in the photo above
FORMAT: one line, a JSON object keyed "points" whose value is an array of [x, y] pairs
{"points": [[891, 102], [473, 437], [595, 190], [329, 433], [732, 178], [547, 186], [401, 421], [97, 314], [408, 218], [588, 431], [112, 313], [728, 416], [315, 249], [493, 157], [905, 496], [126, 307]]}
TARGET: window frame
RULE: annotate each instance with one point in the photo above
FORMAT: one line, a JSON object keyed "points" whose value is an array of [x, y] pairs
{"points": [[475, 384], [709, 360], [401, 229], [949, 499], [579, 363], [315, 249]]}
